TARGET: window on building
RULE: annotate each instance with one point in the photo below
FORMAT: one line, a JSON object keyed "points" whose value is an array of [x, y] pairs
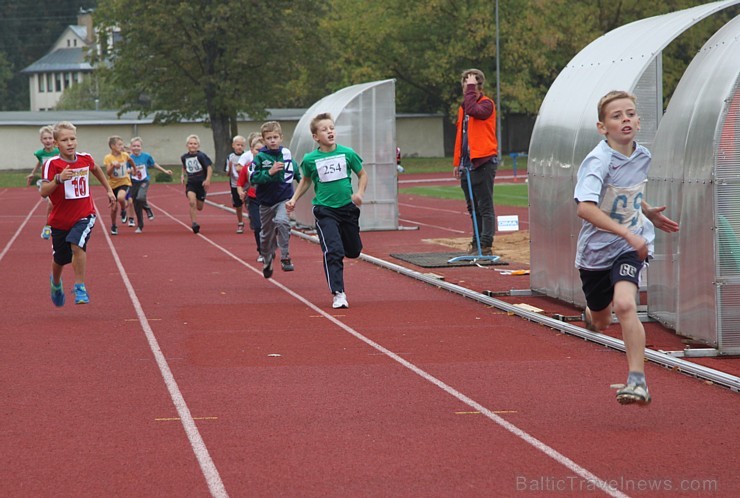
{"points": [[74, 42], [58, 81], [49, 82], [68, 43], [67, 80], [42, 82]]}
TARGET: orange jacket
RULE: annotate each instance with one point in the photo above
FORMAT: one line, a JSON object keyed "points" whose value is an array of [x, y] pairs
{"points": [[482, 140]]}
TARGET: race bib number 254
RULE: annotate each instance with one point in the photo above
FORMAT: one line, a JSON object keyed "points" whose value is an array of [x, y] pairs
{"points": [[331, 169]]}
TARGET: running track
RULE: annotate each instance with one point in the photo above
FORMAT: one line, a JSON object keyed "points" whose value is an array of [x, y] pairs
{"points": [[189, 374]]}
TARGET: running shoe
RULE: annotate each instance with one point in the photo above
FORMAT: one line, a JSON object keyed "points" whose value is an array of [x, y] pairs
{"points": [[149, 214], [286, 264], [131, 222], [196, 228], [123, 216], [340, 300], [267, 268], [46, 232], [114, 230], [634, 393], [81, 296], [260, 259], [240, 227], [57, 293], [138, 230]]}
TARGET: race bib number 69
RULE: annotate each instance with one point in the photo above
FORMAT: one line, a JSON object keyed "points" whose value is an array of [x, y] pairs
{"points": [[331, 169]]}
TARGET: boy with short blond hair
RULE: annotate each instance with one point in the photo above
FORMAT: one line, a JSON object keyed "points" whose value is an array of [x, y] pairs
{"points": [[197, 167], [248, 193], [46, 136], [273, 172], [117, 165], [336, 207], [233, 167], [618, 232], [66, 183], [140, 181]]}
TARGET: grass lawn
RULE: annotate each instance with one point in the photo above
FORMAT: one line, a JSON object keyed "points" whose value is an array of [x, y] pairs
{"points": [[444, 164], [503, 195]]}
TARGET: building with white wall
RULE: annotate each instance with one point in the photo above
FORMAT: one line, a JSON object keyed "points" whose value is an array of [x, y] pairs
{"points": [[63, 66]]}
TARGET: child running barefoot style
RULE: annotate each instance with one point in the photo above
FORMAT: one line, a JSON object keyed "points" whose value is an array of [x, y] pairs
{"points": [[198, 168], [117, 164], [49, 150], [618, 232], [273, 172], [335, 207], [66, 181]]}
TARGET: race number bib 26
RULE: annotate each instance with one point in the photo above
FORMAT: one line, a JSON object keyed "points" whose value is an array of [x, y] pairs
{"points": [[77, 187], [331, 169], [140, 171]]}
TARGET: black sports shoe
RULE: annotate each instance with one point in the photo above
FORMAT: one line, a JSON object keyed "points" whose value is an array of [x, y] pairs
{"points": [[287, 264], [267, 268], [149, 214], [196, 228]]}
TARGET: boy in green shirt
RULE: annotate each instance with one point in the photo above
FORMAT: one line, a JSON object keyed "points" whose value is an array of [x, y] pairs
{"points": [[335, 206]]}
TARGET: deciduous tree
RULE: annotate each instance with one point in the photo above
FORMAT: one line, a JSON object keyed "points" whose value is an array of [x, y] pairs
{"points": [[207, 59]]}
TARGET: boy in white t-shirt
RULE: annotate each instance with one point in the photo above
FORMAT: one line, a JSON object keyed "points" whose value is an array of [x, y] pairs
{"points": [[618, 232]]}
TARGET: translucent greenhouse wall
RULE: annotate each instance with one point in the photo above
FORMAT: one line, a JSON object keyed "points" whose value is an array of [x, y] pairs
{"points": [[627, 58], [695, 277], [365, 119]]}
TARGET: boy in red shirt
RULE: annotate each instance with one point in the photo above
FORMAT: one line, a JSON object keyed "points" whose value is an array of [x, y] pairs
{"points": [[66, 182]]}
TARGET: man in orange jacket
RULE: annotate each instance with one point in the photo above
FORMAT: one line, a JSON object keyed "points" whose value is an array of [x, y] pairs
{"points": [[476, 149]]}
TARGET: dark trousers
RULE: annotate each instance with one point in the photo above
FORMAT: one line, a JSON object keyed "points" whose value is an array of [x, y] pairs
{"points": [[138, 196], [481, 181], [339, 234], [253, 208]]}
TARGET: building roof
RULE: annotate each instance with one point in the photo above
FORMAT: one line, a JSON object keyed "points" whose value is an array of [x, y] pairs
{"points": [[63, 59], [80, 31]]}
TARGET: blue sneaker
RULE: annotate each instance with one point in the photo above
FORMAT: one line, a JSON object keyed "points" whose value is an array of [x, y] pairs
{"points": [[57, 293], [46, 232], [81, 296]]}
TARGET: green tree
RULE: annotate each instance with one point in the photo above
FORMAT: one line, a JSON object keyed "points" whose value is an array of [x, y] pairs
{"points": [[6, 74], [27, 32], [425, 45], [94, 92], [209, 59]]}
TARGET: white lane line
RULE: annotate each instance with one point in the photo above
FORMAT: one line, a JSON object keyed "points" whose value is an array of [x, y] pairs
{"points": [[598, 483], [210, 472], [20, 229]]}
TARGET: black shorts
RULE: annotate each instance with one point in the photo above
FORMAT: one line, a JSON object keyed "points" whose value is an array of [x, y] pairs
{"points": [[236, 201], [197, 189], [598, 285], [62, 240], [118, 189]]}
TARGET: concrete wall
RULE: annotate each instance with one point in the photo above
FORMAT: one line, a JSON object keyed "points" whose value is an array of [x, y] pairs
{"points": [[417, 135]]}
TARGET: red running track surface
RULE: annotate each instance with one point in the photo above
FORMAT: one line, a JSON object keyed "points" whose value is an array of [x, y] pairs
{"points": [[189, 374]]}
